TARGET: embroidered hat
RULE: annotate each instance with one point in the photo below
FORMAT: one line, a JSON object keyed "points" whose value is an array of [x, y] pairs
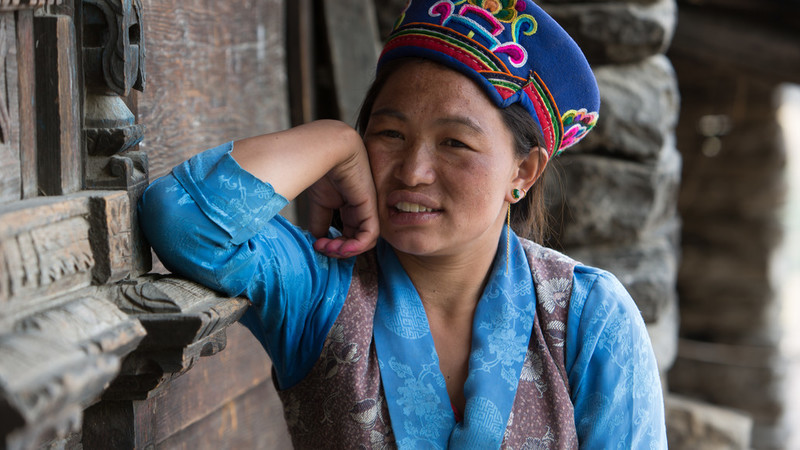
{"points": [[514, 51]]}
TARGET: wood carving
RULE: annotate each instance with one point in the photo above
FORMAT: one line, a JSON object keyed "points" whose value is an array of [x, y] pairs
{"points": [[12, 5], [54, 244], [110, 236], [56, 362], [44, 248], [113, 28], [184, 321], [113, 63], [62, 339]]}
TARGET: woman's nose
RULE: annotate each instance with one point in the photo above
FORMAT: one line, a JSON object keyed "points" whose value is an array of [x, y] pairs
{"points": [[417, 165]]}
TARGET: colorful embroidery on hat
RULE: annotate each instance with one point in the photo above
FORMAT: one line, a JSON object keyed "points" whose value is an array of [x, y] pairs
{"points": [[469, 16], [503, 10], [576, 125], [546, 112], [448, 42]]}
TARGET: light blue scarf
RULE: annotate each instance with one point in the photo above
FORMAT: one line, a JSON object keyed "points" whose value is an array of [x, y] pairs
{"points": [[415, 389]]}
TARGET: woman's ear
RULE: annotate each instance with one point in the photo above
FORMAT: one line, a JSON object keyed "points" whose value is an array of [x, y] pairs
{"points": [[530, 168]]}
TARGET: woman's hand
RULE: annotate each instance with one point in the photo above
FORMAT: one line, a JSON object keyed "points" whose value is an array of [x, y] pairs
{"points": [[349, 188], [329, 158]]}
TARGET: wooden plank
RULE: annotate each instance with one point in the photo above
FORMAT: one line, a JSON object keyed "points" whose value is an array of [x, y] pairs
{"points": [[27, 104], [215, 71], [352, 34], [10, 170], [300, 60], [253, 420], [57, 106], [738, 42], [221, 378]]}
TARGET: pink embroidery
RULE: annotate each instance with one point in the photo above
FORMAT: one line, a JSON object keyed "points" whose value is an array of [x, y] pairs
{"points": [[497, 27], [443, 9], [516, 54], [577, 124]]}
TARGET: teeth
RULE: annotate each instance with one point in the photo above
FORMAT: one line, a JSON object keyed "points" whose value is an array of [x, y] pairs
{"points": [[411, 207]]}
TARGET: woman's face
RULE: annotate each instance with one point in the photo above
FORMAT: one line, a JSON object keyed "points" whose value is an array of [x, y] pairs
{"points": [[443, 162]]}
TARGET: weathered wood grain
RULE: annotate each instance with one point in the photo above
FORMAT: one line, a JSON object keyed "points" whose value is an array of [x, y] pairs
{"points": [[27, 104], [184, 322], [10, 164], [253, 420], [57, 106], [212, 383], [227, 399], [215, 72]]}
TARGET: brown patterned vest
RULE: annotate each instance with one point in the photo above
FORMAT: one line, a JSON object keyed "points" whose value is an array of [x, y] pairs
{"points": [[341, 404]]}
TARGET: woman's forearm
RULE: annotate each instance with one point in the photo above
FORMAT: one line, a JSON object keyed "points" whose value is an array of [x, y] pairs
{"points": [[294, 159]]}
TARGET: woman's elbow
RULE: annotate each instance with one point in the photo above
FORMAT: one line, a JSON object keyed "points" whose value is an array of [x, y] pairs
{"points": [[171, 221]]}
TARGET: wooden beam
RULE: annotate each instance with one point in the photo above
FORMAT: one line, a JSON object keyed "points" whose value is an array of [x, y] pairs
{"points": [[300, 60], [354, 48], [738, 42], [10, 168], [57, 106]]}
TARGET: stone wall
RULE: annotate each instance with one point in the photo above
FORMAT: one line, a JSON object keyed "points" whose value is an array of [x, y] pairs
{"points": [[614, 205]]}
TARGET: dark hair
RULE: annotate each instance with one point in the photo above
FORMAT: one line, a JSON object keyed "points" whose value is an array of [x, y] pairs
{"points": [[528, 216]]}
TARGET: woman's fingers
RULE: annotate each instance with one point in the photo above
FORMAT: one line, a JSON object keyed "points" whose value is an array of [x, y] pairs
{"points": [[319, 219], [342, 247]]}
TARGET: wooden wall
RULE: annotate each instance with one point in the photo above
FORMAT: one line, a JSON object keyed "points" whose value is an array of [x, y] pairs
{"points": [[95, 352], [215, 72]]}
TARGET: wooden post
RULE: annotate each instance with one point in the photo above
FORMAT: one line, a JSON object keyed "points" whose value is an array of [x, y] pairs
{"points": [[354, 47], [27, 103], [57, 106]]}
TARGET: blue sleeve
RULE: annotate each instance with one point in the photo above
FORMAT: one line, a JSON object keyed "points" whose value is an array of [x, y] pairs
{"points": [[213, 222], [613, 376]]}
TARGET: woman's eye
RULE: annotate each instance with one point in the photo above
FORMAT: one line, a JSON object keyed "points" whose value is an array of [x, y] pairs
{"points": [[455, 143], [394, 134]]}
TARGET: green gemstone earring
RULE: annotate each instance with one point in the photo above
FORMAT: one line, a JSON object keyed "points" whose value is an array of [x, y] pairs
{"points": [[517, 193]]}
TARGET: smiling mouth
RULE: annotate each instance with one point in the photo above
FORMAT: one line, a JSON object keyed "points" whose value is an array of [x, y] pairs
{"points": [[412, 207]]}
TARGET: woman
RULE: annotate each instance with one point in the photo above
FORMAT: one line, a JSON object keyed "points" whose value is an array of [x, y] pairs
{"points": [[426, 322]]}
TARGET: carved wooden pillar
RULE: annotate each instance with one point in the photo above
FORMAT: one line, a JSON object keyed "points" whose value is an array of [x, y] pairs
{"points": [[61, 338], [113, 65], [113, 56]]}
